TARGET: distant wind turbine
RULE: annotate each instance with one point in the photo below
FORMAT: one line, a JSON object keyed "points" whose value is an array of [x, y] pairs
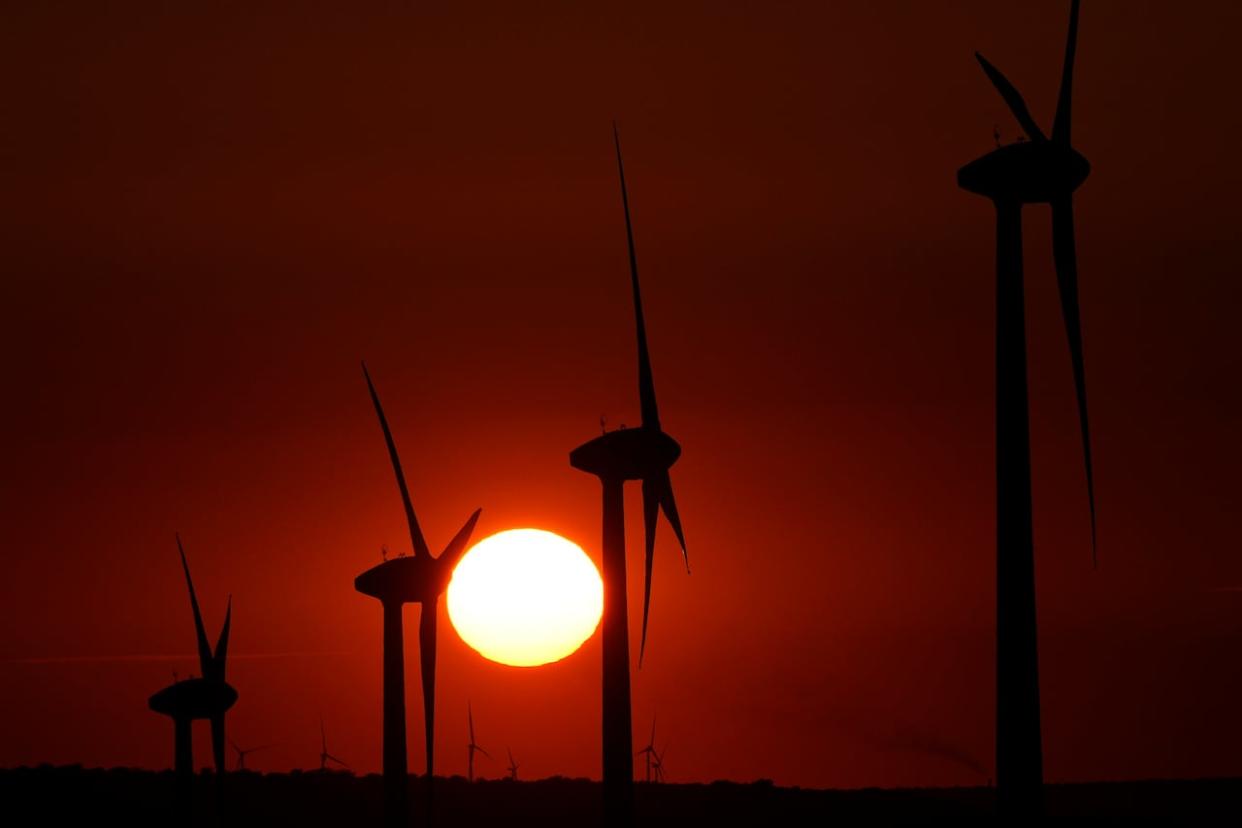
{"points": [[324, 756], [649, 750], [472, 747], [412, 579], [207, 697], [645, 453], [657, 765], [1042, 170], [513, 766], [242, 754]]}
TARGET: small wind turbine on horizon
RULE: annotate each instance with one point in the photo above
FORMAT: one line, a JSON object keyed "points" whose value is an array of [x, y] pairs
{"points": [[324, 756], [645, 453], [657, 765], [472, 747], [409, 579], [1041, 170], [513, 766], [649, 750], [243, 753], [207, 697]]}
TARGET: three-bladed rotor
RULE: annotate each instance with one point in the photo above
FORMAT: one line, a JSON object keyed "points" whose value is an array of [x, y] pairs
{"points": [[211, 663], [1046, 170], [656, 483]]}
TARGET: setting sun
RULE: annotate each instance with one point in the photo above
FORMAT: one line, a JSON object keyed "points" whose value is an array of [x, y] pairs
{"points": [[525, 597]]}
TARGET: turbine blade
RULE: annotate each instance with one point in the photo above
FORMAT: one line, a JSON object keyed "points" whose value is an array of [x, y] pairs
{"points": [[653, 723], [646, 385], [218, 742], [204, 649], [669, 505], [482, 751], [1061, 125], [1065, 257], [427, 655], [416, 534], [1013, 98], [657, 495], [457, 546], [651, 506], [332, 758], [222, 644]]}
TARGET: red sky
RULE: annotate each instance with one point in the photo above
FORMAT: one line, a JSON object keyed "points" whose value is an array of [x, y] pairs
{"points": [[211, 215]]}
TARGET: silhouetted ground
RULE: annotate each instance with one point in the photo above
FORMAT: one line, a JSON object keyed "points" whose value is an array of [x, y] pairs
{"points": [[73, 795]]}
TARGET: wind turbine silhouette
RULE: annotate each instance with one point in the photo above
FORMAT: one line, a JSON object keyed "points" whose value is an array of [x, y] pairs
{"points": [[242, 754], [324, 756], [207, 697], [513, 766], [472, 747], [657, 764], [412, 579], [649, 750], [1042, 170], [645, 453]]}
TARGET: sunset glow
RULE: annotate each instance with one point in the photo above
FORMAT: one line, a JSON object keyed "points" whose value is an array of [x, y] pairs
{"points": [[525, 597]]}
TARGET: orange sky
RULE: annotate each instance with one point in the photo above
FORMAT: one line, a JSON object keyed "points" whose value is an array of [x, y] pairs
{"points": [[210, 216]]}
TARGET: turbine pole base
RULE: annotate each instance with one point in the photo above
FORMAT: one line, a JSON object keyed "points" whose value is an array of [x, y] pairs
{"points": [[1019, 750], [617, 731]]}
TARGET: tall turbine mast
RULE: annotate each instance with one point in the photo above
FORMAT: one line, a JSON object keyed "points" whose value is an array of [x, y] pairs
{"points": [[207, 697], [1042, 171], [419, 578], [645, 453]]}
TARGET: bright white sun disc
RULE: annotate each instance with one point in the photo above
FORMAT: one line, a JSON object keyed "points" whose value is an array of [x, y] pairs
{"points": [[525, 597]]}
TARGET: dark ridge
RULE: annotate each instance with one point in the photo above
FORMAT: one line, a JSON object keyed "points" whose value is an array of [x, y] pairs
{"points": [[122, 796]]}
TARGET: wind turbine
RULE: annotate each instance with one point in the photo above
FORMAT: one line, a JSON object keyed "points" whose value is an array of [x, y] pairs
{"points": [[472, 747], [513, 766], [649, 750], [242, 754], [645, 453], [207, 697], [324, 756], [657, 764], [1042, 170], [412, 579]]}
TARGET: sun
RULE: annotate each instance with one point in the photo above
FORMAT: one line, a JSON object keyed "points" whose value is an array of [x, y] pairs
{"points": [[525, 597]]}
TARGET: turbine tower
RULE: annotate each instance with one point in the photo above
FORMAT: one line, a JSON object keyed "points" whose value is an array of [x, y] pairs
{"points": [[207, 697], [324, 756], [413, 579], [645, 453], [472, 747], [1043, 170]]}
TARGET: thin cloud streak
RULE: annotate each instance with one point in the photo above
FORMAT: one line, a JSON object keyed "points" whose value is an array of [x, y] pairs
{"points": [[140, 657]]}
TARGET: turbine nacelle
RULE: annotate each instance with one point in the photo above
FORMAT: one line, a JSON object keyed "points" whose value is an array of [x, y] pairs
{"points": [[196, 698], [415, 579], [1035, 172], [627, 454]]}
